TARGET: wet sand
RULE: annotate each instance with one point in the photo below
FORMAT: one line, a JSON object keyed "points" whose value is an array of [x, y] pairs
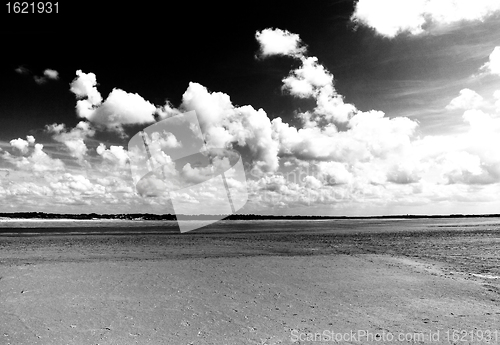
{"points": [[259, 288]]}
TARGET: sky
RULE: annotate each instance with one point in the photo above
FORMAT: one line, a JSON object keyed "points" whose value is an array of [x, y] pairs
{"points": [[369, 107]]}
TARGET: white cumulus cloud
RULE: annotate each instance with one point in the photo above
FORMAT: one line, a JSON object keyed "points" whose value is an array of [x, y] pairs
{"points": [[224, 124], [37, 161], [468, 99], [74, 140], [496, 95], [392, 17], [51, 74], [279, 42], [116, 154], [120, 107], [313, 80], [20, 144], [48, 74], [493, 64], [84, 86], [306, 80]]}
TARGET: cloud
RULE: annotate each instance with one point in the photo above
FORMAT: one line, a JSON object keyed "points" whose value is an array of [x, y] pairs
{"points": [[469, 158], [20, 144], [334, 173], [468, 99], [404, 172], [74, 140], [43, 162], [38, 161], [39, 80], [211, 107], [115, 154], [71, 184], [279, 42], [308, 79], [369, 135], [464, 167], [312, 182], [496, 95], [22, 70], [371, 144], [77, 148], [51, 74], [330, 107], [311, 80], [481, 122], [113, 184], [225, 124], [493, 64], [165, 140], [195, 175], [392, 17], [48, 74], [84, 86], [120, 107], [27, 190], [374, 157], [55, 128], [167, 110]]}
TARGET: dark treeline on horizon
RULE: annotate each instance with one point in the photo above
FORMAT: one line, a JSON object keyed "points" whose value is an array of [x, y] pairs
{"points": [[149, 216]]}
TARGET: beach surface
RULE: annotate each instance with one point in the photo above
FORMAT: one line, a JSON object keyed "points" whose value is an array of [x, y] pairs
{"points": [[436, 283]]}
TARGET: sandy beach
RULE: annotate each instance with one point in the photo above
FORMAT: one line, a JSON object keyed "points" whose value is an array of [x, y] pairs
{"points": [[431, 287]]}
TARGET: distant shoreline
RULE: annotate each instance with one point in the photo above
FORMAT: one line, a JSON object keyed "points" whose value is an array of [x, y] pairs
{"points": [[140, 216]]}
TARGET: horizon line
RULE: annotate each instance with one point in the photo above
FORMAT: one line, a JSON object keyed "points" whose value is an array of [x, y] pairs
{"points": [[169, 216]]}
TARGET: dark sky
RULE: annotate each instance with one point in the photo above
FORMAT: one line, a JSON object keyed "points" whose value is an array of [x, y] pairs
{"points": [[157, 52]]}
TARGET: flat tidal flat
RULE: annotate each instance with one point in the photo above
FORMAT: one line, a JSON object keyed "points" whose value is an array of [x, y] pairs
{"points": [[427, 281]]}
